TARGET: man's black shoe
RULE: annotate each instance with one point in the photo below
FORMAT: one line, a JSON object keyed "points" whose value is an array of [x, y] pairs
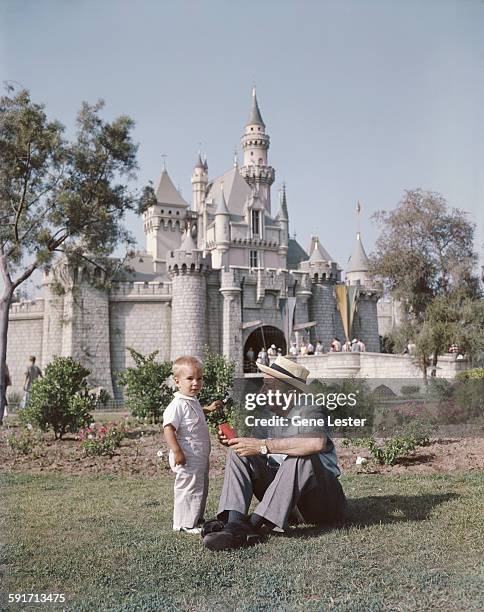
{"points": [[211, 526], [233, 535]]}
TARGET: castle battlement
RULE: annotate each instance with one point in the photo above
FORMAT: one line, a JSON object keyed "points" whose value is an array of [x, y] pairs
{"points": [[121, 291], [28, 309]]}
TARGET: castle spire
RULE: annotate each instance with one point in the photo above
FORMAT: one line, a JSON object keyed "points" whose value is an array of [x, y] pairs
{"points": [[255, 117]]}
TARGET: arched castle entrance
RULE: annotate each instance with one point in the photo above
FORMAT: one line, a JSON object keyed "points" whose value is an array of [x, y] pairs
{"points": [[263, 336]]}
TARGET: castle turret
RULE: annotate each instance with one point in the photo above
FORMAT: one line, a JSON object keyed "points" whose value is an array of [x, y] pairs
{"points": [[222, 231], [255, 144], [199, 185], [283, 221], [165, 221], [357, 272], [188, 268]]}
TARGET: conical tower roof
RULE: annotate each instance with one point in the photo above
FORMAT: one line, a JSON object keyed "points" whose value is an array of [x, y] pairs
{"points": [[358, 262], [255, 116], [222, 204], [188, 244], [166, 193], [283, 214], [199, 162]]}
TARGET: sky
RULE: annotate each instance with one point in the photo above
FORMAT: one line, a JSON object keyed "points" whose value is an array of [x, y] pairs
{"points": [[362, 99]]}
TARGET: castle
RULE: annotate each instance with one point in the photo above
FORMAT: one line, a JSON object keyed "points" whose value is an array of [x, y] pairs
{"points": [[220, 271]]}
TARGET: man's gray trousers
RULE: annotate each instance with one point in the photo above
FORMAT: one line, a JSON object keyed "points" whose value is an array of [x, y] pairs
{"points": [[301, 482]]}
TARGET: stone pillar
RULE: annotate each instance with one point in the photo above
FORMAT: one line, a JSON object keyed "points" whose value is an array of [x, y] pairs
{"points": [[232, 346]]}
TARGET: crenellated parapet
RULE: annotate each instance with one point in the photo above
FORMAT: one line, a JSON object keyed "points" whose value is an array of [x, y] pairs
{"points": [[28, 309], [181, 262], [140, 291]]}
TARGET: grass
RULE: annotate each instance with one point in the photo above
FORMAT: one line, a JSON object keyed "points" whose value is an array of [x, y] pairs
{"points": [[412, 543]]}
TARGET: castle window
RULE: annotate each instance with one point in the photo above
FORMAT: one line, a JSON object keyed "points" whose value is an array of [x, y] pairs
{"points": [[253, 259], [256, 223]]}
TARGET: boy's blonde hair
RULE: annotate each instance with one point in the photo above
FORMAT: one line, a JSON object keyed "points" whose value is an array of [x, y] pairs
{"points": [[183, 361]]}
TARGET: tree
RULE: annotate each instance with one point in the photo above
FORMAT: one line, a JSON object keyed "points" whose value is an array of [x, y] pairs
{"points": [[58, 196], [425, 258]]}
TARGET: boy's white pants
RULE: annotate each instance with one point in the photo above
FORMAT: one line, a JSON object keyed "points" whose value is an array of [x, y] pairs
{"points": [[190, 496]]}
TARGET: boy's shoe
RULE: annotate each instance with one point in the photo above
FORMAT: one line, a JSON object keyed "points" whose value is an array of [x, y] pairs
{"points": [[191, 530], [232, 536]]}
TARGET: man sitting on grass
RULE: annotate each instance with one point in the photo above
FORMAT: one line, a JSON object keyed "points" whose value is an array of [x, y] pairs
{"points": [[291, 471]]}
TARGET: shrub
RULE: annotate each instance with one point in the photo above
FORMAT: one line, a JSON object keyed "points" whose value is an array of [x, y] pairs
{"points": [[60, 399], [99, 440], [147, 392], [392, 449], [218, 380], [24, 442], [474, 373], [440, 389], [409, 390]]}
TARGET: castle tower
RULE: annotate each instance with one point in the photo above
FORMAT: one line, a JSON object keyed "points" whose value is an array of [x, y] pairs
{"points": [[255, 144], [222, 232], [283, 221], [82, 329], [357, 272], [165, 221], [199, 185], [188, 268]]}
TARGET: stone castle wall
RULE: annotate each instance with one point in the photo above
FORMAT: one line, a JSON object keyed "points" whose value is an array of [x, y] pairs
{"points": [[24, 339]]}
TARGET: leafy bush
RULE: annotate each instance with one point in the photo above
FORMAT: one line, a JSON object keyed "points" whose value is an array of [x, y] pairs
{"points": [[392, 449], [473, 374], [60, 399], [14, 399], [147, 392], [440, 389], [409, 390], [99, 440], [218, 380]]}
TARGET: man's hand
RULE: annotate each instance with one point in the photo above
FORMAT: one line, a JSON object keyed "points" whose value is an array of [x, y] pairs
{"points": [[245, 447], [214, 406], [179, 457]]}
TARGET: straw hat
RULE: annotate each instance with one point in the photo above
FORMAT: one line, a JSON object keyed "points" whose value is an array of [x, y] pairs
{"points": [[290, 372]]}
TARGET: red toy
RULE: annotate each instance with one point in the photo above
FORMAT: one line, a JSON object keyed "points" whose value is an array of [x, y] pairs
{"points": [[227, 431]]}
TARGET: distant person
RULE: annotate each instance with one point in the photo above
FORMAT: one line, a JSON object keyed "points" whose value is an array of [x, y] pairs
{"points": [[335, 345], [319, 350], [8, 383], [362, 345], [310, 348], [303, 349], [262, 357], [355, 345], [346, 348], [250, 355], [32, 373], [293, 350], [411, 347], [279, 352], [272, 351]]}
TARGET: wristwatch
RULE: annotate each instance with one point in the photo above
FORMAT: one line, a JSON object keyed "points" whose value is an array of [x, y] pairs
{"points": [[263, 450]]}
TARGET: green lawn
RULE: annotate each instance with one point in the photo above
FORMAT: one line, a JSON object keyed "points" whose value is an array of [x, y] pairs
{"points": [[413, 543]]}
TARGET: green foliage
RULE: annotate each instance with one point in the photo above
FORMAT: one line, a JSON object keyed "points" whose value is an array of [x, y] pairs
{"points": [[475, 373], [391, 450], [218, 380], [440, 389], [409, 390], [147, 392], [24, 442], [97, 440], [60, 399]]}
